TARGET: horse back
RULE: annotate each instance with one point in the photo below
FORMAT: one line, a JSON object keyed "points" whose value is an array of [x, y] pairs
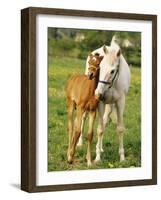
{"points": [[79, 88]]}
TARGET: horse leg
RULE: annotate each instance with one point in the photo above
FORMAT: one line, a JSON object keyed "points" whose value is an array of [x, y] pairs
{"points": [[107, 113], [92, 116], [113, 115], [120, 105], [70, 108], [100, 130], [76, 134], [106, 118], [80, 141]]}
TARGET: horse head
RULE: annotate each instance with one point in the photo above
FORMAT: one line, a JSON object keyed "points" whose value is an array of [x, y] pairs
{"points": [[94, 63], [109, 68]]}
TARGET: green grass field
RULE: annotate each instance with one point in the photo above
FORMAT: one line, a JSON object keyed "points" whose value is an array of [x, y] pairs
{"points": [[59, 70]]}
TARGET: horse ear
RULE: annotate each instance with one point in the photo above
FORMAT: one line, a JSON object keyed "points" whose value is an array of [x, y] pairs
{"points": [[90, 55], [96, 54], [119, 53], [105, 49]]}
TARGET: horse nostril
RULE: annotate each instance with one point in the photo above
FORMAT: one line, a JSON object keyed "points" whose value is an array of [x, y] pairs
{"points": [[112, 71]]}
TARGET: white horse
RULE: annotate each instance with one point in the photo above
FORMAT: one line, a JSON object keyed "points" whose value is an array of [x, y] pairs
{"points": [[113, 85]]}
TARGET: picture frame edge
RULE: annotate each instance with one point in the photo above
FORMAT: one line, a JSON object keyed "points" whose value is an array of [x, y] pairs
{"points": [[28, 102]]}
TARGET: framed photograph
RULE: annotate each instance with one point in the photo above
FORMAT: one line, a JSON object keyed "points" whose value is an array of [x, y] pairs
{"points": [[88, 99]]}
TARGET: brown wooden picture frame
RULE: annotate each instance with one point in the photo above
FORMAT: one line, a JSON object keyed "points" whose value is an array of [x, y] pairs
{"points": [[28, 98]]}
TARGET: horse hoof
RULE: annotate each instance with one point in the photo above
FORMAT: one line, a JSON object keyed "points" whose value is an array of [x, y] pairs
{"points": [[102, 150], [122, 158], [97, 160], [89, 163], [70, 160]]}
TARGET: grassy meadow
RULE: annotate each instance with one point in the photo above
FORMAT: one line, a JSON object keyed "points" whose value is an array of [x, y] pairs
{"points": [[59, 70]]}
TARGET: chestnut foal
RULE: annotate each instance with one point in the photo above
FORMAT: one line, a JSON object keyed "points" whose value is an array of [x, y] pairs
{"points": [[80, 91]]}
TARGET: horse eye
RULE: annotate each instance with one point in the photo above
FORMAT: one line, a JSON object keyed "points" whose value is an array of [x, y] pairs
{"points": [[112, 71]]}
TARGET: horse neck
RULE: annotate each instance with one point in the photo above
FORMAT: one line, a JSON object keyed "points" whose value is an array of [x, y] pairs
{"points": [[95, 81], [97, 78], [123, 80]]}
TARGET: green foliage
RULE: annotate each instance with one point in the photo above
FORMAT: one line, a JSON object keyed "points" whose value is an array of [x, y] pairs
{"points": [[95, 38], [133, 57], [59, 70], [61, 47], [68, 42]]}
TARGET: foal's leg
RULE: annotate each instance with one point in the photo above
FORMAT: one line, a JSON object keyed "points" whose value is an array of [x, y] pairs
{"points": [[92, 116], [76, 133], [70, 108], [120, 105], [100, 130], [80, 141]]}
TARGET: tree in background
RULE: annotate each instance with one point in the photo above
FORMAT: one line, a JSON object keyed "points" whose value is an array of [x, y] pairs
{"points": [[79, 42]]}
